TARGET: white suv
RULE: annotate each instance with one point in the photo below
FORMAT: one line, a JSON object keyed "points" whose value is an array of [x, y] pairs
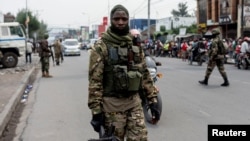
{"points": [[71, 47]]}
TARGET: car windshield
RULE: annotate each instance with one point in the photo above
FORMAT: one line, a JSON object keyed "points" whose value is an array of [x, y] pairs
{"points": [[71, 43]]}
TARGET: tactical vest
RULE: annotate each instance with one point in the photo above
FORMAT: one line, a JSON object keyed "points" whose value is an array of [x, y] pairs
{"points": [[222, 50], [122, 75]]}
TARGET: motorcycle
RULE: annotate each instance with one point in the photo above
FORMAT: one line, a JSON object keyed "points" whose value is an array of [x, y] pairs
{"points": [[244, 60], [198, 55], [152, 67]]}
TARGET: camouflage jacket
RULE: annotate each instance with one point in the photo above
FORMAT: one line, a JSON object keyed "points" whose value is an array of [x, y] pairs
{"points": [[45, 51], [57, 47], [98, 54], [213, 51]]}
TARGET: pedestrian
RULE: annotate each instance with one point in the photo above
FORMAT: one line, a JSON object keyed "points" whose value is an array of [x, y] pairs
{"points": [[28, 52], [237, 53], [61, 50], [216, 57], [245, 47], [57, 50], [117, 72], [159, 46], [184, 50], [44, 58]]}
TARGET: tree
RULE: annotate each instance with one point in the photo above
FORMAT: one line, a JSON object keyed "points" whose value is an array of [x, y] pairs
{"points": [[182, 10], [42, 31], [33, 25]]}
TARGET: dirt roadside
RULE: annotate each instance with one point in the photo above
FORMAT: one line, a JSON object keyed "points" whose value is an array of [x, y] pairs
{"points": [[13, 82]]}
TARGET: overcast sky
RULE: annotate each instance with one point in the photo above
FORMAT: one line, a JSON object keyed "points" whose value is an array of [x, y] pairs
{"points": [[74, 13]]}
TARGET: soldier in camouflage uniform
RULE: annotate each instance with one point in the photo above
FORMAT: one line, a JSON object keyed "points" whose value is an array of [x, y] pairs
{"points": [[44, 58], [57, 50], [215, 58], [117, 71]]}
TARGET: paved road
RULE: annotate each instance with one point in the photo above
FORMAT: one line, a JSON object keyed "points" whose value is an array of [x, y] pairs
{"points": [[58, 108]]}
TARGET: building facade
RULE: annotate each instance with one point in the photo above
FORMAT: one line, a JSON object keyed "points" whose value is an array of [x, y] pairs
{"points": [[175, 22], [226, 15], [141, 24]]}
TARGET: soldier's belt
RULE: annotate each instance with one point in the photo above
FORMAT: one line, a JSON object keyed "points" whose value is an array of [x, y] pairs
{"points": [[124, 94]]}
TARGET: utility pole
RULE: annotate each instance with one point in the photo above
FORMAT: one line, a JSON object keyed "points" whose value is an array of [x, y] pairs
{"points": [[242, 18], [148, 20], [27, 21], [109, 18], [27, 28]]}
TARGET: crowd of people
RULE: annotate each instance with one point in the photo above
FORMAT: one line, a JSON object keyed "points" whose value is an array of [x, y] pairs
{"points": [[117, 72], [236, 48]]}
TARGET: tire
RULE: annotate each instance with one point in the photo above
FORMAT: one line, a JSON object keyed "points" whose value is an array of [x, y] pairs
{"points": [[146, 109], [244, 64], [200, 62], [9, 60]]}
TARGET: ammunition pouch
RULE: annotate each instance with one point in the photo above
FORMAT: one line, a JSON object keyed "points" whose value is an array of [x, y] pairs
{"points": [[122, 74], [126, 81]]}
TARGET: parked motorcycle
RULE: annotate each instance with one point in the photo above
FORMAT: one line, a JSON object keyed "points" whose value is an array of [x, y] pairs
{"points": [[152, 67]]}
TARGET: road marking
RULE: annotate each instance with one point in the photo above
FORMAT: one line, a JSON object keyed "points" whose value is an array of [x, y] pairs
{"points": [[205, 113]]}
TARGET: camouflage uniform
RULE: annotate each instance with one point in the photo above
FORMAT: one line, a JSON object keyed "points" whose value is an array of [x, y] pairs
{"points": [[215, 59], [44, 58], [57, 49], [125, 112]]}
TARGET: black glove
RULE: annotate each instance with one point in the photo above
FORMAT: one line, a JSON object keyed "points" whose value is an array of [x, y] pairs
{"points": [[155, 112], [97, 121]]}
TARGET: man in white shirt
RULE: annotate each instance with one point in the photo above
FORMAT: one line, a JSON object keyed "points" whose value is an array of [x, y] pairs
{"points": [[245, 46], [28, 52]]}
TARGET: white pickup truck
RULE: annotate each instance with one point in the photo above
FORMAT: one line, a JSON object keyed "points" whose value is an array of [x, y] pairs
{"points": [[12, 44]]}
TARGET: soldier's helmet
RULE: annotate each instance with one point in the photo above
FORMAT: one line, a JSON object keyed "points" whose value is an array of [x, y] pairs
{"points": [[215, 32]]}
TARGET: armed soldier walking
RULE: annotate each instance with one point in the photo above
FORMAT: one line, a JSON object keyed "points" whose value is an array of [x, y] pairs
{"points": [[117, 71], [216, 57], [57, 50], [44, 58]]}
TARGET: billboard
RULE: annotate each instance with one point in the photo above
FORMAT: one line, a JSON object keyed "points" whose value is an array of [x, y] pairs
{"points": [[246, 14], [1, 17], [225, 11], [101, 29], [85, 33]]}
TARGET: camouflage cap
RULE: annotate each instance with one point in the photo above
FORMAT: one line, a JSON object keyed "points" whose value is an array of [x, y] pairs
{"points": [[215, 32]]}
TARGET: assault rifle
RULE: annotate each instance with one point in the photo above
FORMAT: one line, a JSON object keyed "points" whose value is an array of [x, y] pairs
{"points": [[106, 136], [52, 55]]}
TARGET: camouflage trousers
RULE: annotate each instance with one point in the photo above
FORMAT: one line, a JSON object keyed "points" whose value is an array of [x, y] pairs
{"points": [[220, 65], [45, 64], [129, 124], [57, 56]]}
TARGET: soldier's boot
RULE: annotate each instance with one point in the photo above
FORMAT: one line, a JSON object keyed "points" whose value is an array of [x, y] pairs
{"points": [[204, 82], [226, 83], [43, 74], [48, 75]]}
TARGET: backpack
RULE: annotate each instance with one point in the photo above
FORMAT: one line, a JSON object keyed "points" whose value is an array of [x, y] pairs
{"points": [[222, 49], [201, 45]]}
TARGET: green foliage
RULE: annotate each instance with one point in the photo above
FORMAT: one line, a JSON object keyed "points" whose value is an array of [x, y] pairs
{"points": [[46, 36], [182, 10], [34, 25], [42, 32], [162, 28], [190, 29]]}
